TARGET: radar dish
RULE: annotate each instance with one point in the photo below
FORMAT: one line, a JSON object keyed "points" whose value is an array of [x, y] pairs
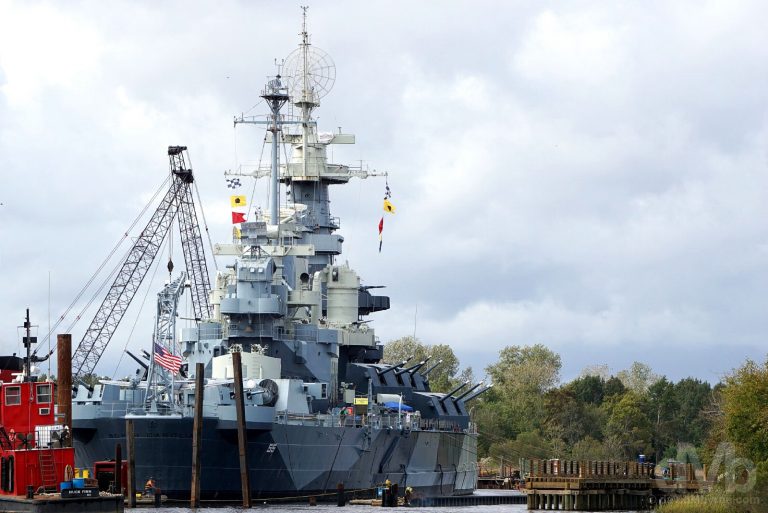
{"points": [[320, 73]]}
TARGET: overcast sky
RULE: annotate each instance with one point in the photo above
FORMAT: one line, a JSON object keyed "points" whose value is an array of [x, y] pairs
{"points": [[592, 176]]}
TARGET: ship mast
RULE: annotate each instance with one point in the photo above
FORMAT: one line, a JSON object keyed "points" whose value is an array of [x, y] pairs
{"points": [[276, 96], [307, 102]]}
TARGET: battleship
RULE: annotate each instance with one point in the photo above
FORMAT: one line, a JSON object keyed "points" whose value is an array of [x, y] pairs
{"points": [[321, 407]]}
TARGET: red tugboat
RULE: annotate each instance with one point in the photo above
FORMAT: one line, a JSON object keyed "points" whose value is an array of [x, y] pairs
{"points": [[34, 451], [36, 455]]}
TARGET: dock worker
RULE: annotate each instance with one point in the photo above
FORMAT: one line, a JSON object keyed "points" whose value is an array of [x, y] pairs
{"points": [[149, 488]]}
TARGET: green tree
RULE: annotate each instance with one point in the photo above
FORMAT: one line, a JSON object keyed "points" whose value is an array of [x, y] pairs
{"points": [[444, 377], [745, 405], [526, 445], [663, 413], [639, 377], [520, 377], [693, 398], [629, 424], [588, 389], [570, 418], [589, 449], [613, 386]]}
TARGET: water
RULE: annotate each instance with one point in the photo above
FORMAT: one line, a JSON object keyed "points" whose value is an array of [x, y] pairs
{"points": [[328, 508]]}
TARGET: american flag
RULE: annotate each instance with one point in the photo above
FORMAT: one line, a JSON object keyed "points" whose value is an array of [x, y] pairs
{"points": [[166, 360]]}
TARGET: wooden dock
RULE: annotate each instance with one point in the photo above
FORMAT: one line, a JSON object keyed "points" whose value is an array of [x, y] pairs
{"points": [[603, 485]]}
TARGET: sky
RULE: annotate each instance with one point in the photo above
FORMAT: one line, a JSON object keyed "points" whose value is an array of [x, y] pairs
{"points": [[591, 176]]}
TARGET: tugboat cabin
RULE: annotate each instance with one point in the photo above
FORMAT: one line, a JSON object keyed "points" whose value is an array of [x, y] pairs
{"points": [[34, 451]]}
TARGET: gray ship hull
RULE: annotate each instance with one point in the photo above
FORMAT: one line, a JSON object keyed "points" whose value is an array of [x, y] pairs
{"points": [[288, 460]]}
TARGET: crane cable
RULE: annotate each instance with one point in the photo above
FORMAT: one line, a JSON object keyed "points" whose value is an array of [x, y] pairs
{"points": [[98, 271], [141, 309], [202, 214]]}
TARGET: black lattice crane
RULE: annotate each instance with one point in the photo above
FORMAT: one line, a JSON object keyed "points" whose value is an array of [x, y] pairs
{"points": [[178, 199]]}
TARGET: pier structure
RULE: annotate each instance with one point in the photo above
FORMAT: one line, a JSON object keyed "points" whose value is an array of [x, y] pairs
{"points": [[602, 485]]}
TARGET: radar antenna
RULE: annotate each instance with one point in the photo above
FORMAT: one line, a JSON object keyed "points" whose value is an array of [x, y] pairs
{"points": [[309, 71], [309, 74]]}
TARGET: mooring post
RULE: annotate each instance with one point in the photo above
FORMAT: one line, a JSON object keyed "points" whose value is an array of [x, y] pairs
{"points": [[64, 379], [242, 441], [131, 449], [118, 486], [197, 435]]}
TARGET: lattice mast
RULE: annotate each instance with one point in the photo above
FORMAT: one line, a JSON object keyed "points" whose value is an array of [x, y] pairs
{"points": [[191, 238], [160, 380], [136, 265]]}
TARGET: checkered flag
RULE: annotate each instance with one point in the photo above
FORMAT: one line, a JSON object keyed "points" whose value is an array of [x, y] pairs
{"points": [[233, 183]]}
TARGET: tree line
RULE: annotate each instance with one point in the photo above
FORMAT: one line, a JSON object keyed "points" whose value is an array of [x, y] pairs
{"points": [[530, 413]]}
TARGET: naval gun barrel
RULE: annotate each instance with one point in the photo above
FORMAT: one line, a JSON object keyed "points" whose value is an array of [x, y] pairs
{"points": [[426, 372], [137, 360], [481, 391], [412, 368], [391, 367], [86, 385], [449, 394], [420, 364], [467, 392]]}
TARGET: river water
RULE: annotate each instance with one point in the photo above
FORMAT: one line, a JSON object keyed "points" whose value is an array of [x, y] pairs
{"points": [[328, 508]]}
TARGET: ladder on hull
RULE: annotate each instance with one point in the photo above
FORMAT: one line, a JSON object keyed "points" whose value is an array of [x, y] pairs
{"points": [[47, 470]]}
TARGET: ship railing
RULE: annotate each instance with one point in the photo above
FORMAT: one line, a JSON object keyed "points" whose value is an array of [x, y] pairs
{"points": [[115, 409], [375, 421], [51, 436], [210, 333]]}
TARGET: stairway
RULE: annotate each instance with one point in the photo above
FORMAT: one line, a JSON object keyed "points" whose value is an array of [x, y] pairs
{"points": [[47, 470]]}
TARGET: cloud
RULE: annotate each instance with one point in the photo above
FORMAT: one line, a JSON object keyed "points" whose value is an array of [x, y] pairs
{"points": [[587, 176]]}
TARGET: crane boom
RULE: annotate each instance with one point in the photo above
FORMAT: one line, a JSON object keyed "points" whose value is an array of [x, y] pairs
{"points": [[126, 283], [191, 238], [179, 199]]}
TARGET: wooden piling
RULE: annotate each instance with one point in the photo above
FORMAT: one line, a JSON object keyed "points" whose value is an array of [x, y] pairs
{"points": [[131, 449], [118, 486], [197, 435], [64, 378], [242, 440]]}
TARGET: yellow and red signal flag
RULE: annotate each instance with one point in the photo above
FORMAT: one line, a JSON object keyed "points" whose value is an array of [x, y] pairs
{"points": [[388, 208]]}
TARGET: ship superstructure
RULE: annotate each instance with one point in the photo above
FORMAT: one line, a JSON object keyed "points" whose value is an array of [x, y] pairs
{"points": [[320, 407]]}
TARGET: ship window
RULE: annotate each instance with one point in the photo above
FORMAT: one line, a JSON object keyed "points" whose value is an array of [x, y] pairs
{"points": [[12, 396], [44, 394], [45, 411]]}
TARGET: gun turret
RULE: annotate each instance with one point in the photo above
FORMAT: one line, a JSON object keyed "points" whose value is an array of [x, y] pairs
{"points": [[449, 394], [467, 392]]}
